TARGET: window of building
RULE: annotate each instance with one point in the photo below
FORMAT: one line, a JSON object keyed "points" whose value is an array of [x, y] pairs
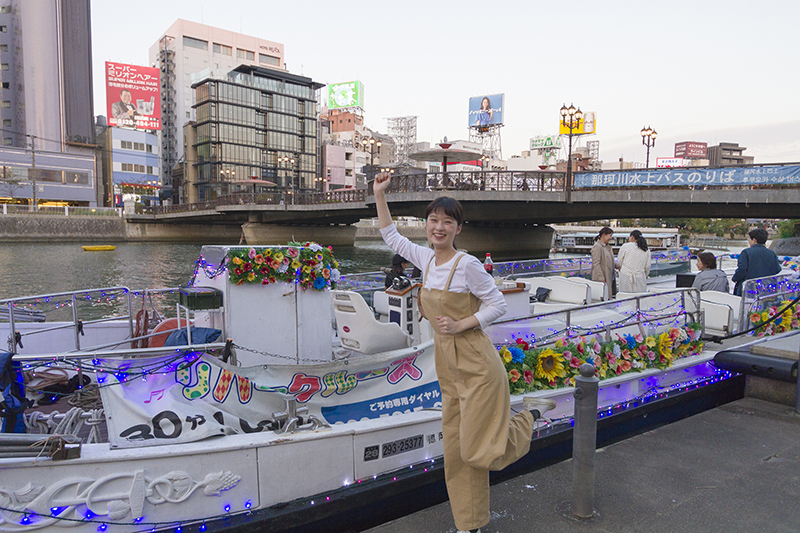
{"points": [[5, 103], [138, 146], [6, 85], [150, 148], [223, 49], [245, 54], [6, 122], [5, 9], [3, 66], [191, 42], [127, 167], [3, 48], [269, 60], [149, 169], [6, 140], [3, 29], [126, 145], [188, 114]]}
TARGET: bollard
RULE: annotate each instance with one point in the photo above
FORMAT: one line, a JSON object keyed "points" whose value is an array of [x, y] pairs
{"points": [[584, 442]]}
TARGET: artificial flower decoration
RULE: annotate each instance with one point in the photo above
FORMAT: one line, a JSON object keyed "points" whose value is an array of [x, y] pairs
{"points": [[788, 320], [558, 364], [309, 265]]}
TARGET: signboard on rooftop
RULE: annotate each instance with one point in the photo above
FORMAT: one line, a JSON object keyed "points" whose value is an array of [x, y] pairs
{"points": [[588, 125], [133, 96], [668, 162], [486, 110], [347, 94], [545, 143], [691, 150]]}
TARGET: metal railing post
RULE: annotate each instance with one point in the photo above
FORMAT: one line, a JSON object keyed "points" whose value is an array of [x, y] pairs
{"points": [[584, 442]]}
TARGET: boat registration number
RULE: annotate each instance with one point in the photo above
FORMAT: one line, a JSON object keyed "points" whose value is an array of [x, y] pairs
{"points": [[401, 446]]}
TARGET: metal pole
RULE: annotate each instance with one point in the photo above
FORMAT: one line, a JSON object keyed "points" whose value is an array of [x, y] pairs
{"points": [[33, 173], [584, 442], [569, 169], [797, 393]]}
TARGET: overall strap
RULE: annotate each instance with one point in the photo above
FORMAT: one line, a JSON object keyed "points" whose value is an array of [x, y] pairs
{"points": [[452, 271], [425, 277]]}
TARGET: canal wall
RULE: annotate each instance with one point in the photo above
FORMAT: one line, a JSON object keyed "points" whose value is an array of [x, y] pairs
{"points": [[49, 228]]}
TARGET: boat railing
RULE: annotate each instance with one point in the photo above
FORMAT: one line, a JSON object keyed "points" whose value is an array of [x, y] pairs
{"points": [[74, 300], [648, 314], [761, 293]]}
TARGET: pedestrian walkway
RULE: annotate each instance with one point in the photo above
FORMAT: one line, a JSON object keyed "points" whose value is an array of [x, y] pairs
{"points": [[735, 468]]}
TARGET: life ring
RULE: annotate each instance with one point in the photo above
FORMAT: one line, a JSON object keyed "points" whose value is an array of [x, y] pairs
{"points": [[167, 326]]}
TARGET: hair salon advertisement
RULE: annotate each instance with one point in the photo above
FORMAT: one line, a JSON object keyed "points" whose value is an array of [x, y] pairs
{"points": [[133, 98]]}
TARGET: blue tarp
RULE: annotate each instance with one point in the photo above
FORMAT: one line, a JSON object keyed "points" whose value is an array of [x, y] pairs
{"points": [[13, 388], [199, 336]]}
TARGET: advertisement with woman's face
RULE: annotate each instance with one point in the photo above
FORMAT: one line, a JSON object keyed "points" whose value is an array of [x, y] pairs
{"points": [[486, 110]]}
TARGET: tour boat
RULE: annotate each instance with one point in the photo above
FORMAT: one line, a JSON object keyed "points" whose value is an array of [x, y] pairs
{"points": [[270, 393]]}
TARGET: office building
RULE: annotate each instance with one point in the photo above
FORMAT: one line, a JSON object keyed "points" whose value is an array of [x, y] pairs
{"points": [[46, 103], [255, 123], [186, 52], [726, 154], [130, 167]]}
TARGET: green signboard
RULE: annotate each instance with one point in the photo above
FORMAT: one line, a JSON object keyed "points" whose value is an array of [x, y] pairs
{"points": [[348, 94]]}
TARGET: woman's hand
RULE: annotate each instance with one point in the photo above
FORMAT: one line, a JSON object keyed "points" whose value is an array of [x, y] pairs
{"points": [[382, 182], [448, 326]]}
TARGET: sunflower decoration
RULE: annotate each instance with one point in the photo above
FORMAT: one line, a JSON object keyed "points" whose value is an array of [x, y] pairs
{"points": [[308, 265], [665, 345], [549, 366]]}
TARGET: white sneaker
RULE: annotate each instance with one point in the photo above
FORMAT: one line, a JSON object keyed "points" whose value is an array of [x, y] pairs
{"points": [[538, 406], [470, 531]]}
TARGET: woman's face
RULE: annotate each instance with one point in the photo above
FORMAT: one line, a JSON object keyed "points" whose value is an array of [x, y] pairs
{"points": [[441, 229], [485, 103], [700, 265], [605, 237]]}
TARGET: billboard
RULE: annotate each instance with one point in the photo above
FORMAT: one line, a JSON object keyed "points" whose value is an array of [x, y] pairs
{"points": [[486, 110], [348, 94], [587, 125], [546, 143], [691, 150], [669, 162], [133, 96]]}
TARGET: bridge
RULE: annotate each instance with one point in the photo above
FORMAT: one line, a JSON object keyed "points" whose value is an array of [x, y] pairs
{"points": [[515, 202]]}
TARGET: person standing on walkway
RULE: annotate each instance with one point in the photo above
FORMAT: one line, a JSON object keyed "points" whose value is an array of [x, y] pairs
{"points": [[633, 262], [603, 260], [710, 278], [758, 261], [479, 433]]}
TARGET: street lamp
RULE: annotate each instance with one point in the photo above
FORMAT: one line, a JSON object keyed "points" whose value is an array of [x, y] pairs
{"points": [[648, 139], [570, 118], [287, 163], [372, 144]]}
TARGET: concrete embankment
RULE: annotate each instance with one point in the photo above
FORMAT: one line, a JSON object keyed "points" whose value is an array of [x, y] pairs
{"points": [[45, 228], [373, 233]]}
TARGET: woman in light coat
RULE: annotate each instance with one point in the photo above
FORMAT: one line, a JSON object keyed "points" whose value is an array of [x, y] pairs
{"points": [[603, 260], [633, 262]]}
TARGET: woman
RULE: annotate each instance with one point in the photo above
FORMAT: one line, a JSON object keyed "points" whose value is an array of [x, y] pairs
{"points": [[603, 260], [485, 113], [399, 266], [633, 262], [479, 434], [709, 278]]}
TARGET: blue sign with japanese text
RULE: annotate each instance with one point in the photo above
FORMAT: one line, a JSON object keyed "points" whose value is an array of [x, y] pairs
{"points": [[682, 177]]}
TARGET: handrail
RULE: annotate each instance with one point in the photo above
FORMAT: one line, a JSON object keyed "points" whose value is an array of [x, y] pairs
{"points": [[756, 291], [63, 356]]}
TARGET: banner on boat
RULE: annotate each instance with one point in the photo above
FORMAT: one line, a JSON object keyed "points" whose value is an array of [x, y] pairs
{"points": [[191, 397], [712, 177]]}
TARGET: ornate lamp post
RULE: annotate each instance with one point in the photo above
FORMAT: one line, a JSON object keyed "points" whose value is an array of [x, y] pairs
{"points": [[648, 139], [570, 118], [371, 144]]}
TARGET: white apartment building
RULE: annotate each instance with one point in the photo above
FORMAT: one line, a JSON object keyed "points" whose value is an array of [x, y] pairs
{"points": [[187, 52]]}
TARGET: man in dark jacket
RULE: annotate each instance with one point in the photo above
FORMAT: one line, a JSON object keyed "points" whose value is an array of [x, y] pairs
{"points": [[758, 261]]}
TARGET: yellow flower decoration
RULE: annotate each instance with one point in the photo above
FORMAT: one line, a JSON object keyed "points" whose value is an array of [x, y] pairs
{"points": [[664, 344], [278, 257], [559, 343], [267, 252], [650, 341], [307, 269], [251, 276], [505, 354], [296, 264], [237, 261], [549, 366]]}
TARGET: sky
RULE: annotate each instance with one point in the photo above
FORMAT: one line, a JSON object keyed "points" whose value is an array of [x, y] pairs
{"points": [[703, 70]]}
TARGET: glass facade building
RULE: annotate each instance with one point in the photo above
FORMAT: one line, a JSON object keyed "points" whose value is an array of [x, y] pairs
{"points": [[257, 123]]}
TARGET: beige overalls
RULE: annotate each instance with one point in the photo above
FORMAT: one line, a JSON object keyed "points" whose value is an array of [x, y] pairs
{"points": [[474, 383]]}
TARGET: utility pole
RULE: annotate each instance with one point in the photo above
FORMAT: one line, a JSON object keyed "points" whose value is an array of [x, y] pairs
{"points": [[33, 172]]}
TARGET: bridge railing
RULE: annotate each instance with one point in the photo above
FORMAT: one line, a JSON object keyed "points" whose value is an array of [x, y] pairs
{"points": [[487, 180], [266, 198]]}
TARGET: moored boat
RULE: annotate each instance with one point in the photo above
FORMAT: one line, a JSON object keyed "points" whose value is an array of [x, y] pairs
{"points": [[195, 430], [98, 247]]}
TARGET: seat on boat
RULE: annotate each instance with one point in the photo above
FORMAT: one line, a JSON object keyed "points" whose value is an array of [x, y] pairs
{"points": [[563, 294], [597, 289], [721, 312], [380, 301], [358, 329]]}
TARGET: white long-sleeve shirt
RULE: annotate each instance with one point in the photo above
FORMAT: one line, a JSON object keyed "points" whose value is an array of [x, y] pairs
{"points": [[470, 276]]}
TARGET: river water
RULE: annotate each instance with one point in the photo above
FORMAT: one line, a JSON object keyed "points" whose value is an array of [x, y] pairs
{"points": [[28, 269]]}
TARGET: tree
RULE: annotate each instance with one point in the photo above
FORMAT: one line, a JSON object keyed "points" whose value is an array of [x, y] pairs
{"points": [[10, 181]]}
